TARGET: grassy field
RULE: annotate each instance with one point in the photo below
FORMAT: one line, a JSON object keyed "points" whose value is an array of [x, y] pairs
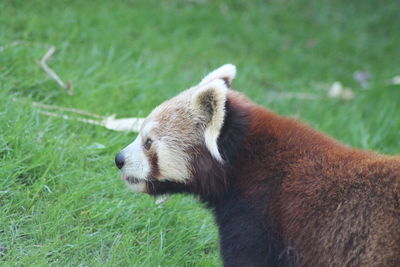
{"points": [[61, 201]]}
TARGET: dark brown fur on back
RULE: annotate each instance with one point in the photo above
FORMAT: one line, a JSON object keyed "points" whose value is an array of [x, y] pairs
{"points": [[288, 195]]}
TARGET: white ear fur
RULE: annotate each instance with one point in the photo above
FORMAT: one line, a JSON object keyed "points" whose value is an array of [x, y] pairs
{"points": [[226, 72], [209, 102]]}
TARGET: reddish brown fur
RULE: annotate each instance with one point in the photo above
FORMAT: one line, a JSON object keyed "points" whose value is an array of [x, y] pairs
{"points": [[332, 205]]}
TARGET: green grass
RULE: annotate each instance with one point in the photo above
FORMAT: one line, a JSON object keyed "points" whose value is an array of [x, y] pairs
{"points": [[61, 201]]}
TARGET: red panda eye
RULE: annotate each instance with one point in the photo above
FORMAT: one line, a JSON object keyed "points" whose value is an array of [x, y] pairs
{"points": [[147, 143]]}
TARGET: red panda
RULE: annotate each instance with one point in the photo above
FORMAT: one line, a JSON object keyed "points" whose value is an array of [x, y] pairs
{"points": [[283, 194]]}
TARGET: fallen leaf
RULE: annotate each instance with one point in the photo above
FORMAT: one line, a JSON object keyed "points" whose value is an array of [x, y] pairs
{"points": [[338, 91], [395, 80], [362, 77]]}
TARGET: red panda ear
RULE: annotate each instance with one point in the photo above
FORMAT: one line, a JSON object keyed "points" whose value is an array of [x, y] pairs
{"points": [[226, 72], [208, 102]]}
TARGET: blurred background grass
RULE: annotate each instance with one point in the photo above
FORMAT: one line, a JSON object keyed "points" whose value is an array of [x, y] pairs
{"points": [[61, 202]]}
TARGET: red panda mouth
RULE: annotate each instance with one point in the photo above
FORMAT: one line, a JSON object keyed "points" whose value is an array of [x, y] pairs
{"points": [[130, 179]]}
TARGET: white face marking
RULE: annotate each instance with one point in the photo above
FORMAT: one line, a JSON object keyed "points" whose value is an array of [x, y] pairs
{"points": [[136, 163], [173, 163], [148, 127]]}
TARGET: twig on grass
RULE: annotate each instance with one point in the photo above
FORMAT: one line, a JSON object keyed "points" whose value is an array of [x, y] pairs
{"points": [[336, 90], [52, 73], [22, 42], [66, 117], [73, 110], [123, 125], [292, 95], [15, 43], [110, 122]]}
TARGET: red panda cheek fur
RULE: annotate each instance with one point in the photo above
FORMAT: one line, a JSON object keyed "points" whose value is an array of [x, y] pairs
{"points": [[153, 158], [287, 195]]}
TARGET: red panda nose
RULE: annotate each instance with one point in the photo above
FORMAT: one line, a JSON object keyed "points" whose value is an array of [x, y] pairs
{"points": [[119, 160]]}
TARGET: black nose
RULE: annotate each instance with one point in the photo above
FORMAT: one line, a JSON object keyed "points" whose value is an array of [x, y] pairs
{"points": [[119, 160]]}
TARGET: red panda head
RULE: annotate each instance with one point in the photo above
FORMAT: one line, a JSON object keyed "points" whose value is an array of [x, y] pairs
{"points": [[178, 148]]}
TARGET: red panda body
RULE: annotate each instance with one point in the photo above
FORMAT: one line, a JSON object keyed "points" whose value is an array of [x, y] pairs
{"points": [[282, 193], [303, 199]]}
